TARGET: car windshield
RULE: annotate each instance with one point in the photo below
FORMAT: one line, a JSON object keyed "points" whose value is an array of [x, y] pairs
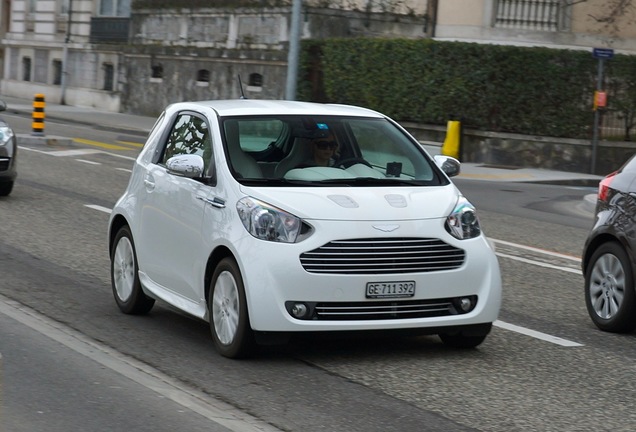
{"points": [[325, 150]]}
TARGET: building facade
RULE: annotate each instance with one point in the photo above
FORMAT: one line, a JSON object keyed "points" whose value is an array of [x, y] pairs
{"points": [[572, 24], [125, 55]]}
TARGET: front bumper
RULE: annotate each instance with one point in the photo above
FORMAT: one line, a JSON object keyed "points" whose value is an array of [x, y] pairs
{"points": [[274, 279]]}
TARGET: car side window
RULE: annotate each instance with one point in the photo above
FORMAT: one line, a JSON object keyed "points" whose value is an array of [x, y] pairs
{"points": [[189, 135]]}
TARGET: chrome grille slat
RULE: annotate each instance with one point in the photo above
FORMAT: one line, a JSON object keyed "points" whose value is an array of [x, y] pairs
{"points": [[383, 256], [384, 310]]}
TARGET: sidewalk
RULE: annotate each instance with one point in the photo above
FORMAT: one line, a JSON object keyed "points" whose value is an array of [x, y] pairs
{"points": [[141, 125]]}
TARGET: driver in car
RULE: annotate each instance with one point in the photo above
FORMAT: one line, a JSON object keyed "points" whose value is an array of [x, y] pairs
{"points": [[323, 152]]}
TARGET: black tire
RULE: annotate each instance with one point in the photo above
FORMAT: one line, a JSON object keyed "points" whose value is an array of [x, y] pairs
{"points": [[124, 276], [610, 295], [227, 307], [466, 339], [6, 188]]}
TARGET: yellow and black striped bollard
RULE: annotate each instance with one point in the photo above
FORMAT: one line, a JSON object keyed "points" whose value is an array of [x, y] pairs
{"points": [[38, 115]]}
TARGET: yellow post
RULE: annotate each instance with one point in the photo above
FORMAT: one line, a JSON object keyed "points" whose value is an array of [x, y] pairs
{"points": [[38, 115], [452, 140]]}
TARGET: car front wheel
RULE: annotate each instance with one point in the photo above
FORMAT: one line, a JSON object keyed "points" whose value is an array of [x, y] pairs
{"points": [[5, 188], [124, 276], [227, 306], [609, 289]]}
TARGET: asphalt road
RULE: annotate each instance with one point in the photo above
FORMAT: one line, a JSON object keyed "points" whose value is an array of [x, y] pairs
{"points": [[544, 367]]}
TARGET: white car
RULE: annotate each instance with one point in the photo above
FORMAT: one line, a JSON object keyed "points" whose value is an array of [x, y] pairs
{"points": [[229, 218]]}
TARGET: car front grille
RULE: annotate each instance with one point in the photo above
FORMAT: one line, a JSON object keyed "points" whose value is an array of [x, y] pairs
{"points": [[384, 310], [4, 164], [383, 256]]}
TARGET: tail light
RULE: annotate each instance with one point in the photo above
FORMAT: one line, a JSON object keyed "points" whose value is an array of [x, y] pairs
{"points": [[604, 186]]}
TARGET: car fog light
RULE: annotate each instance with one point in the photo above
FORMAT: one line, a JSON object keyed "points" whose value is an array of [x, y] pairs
{"points": [[299, 310], [465, 304]]}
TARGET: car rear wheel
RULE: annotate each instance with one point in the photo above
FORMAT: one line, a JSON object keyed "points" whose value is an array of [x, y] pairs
{"points": [[125, 278], [609, 289], [227, 306], [6, 188]]}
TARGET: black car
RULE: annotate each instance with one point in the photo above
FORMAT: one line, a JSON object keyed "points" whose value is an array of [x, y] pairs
{"points": [[8, 153], [609, 260]]}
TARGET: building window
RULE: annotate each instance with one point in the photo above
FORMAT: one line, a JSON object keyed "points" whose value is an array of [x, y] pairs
{"points": [[119, 8], [157, 71], [109, 76], [256, 80], [528, 14], [26, 68], [64, 5], [57, 72], [203, 75]]}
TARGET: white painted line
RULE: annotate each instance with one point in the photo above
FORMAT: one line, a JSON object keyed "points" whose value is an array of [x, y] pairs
{"points": [[88, 162], [143, 374], [533, 249], [119, 156], [76, 152], [98, 208], [32, 150], [124, 170], [536, 334], [539, 263]]}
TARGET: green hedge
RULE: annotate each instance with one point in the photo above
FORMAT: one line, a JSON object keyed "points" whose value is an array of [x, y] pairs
{"points": [[537, 91]]}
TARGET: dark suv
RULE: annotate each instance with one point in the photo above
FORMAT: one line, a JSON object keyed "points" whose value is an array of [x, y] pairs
{"points": [[8, 153], [609, 260]]}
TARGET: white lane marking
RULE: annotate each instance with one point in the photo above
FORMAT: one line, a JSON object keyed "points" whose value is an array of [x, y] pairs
{"points": [[75, 152], [124, 170], [88, 162], [539, 263], [32, 150], [535, 334], [533, 249], [143, 374], [98, 208]]}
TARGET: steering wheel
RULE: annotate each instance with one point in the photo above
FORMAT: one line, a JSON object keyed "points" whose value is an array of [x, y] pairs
{"points": [[347, 162]]}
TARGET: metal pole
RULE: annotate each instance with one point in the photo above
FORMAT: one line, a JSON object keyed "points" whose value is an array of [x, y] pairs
{"points": [[67, 39], [294, 50], [597, 117]]}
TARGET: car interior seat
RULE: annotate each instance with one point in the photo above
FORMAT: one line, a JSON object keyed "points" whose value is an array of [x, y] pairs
{"points": [[299, 153], [240, 161]]}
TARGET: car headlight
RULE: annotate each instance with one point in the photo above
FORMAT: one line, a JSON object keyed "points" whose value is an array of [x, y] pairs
{"points": [[267, 222], [6, 134], [463, 223]]}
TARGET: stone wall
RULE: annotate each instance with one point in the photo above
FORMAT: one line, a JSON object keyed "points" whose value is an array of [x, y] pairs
{"points": [[180, 80]]}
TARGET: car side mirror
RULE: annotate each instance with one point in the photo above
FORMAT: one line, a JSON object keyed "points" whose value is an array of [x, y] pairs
{"points": [[449, 165], [3, 105], [189, 166]]}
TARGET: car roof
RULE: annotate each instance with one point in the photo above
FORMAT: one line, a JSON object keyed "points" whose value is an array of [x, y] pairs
{"points": [[240, 107]]}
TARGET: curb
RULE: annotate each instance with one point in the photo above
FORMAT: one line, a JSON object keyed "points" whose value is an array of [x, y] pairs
{"points": [[50, 140]]}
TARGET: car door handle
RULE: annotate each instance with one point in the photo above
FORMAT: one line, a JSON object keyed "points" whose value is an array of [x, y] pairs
{"points": [[215, 202], [149, 181]]}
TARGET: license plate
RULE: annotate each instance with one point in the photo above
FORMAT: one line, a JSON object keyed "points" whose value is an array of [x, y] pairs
{"points": [[399, 289]]}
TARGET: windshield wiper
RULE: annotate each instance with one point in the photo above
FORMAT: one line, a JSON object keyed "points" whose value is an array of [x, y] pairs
{"points": [[371, 181], [273, 182]]}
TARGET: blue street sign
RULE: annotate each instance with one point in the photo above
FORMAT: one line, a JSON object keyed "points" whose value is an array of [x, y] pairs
{"points": [[602, 53]]}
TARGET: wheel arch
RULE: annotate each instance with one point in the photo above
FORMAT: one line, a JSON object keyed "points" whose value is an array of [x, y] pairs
{"points": [[116, 224], [597, 241], [213, 260]]}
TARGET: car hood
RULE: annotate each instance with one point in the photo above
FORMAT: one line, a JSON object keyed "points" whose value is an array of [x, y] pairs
{"points": [[360, 203]]}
